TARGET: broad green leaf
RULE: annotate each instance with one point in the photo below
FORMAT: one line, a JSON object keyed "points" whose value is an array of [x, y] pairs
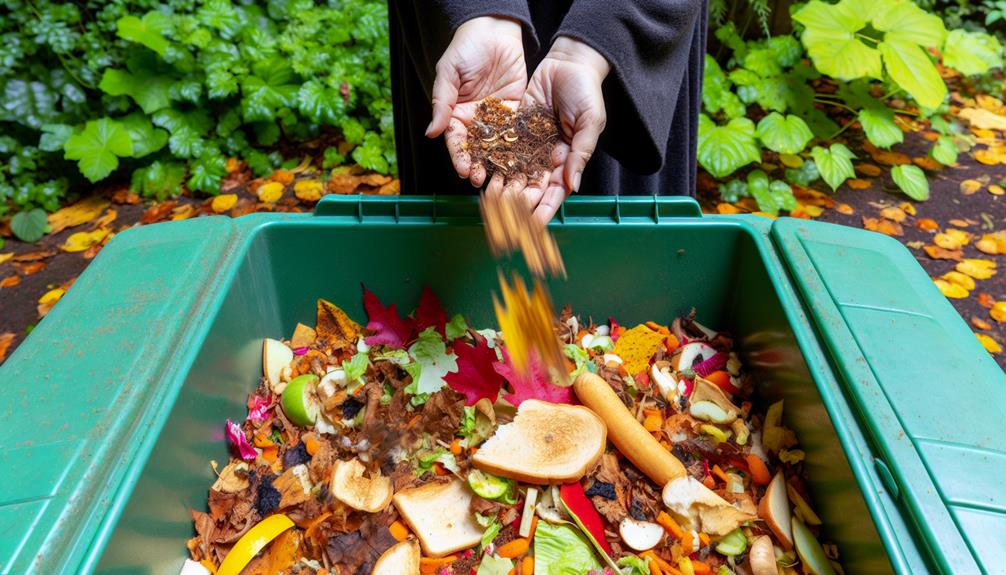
{"points": [[187, 130], [273, 86], [371, 154], [829, 37], [207, 171], [319, 103], [771, 197], [148, 89], [762, 61], [784, 134], [149, 31], [146, 138], [54, 136], [906, 22], [716, 94], [160, 180], [29, 226], [911, 68], [944, 151], [733, 190], [880, 128], [804, 175], [829, 17], [786, 49], [724, 149], [972, 53], [834, 164], [98, 148], [912, 180], [865, 10], [28, 102]]}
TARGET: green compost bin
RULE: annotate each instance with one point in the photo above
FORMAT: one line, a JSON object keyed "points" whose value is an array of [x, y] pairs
{"points": [[113, 408]]}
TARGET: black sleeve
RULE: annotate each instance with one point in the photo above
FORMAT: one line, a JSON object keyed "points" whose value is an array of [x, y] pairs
{"points": [[458, 12], [647, 43]]}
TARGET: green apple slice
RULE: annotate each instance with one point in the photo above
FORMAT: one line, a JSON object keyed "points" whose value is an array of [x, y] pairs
{"points": [[810, 551], [299, 400]]}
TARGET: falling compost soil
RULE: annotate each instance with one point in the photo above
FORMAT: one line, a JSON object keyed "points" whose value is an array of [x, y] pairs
{"points": [[512, 142]]}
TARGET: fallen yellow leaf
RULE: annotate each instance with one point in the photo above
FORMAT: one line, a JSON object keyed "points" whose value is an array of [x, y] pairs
{"points": [[282, 176], [868, 170], [990, 345], [52, 296], [845, 209], [81, 241], [791, 160], [308, 190], [963, 280], [996, 190], [6, 256], [78, 213], [270, 192], [987, 245], [938, 253], [977, 268], [858, 184], [969, 187], [883, 226], [107, 219], [980, 323], [896, 214], [224, 202], [907, 208], [183, 212], [998, 311], [984, 134], [5, 340], [927, 163], [987, 157], [764, 215], [725, 208], [950, 290], [961, 236], [983, 119], [990, 103], [927, 224]]}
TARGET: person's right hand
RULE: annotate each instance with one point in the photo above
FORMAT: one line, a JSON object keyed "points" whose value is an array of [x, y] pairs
{"points": [[485, 58]]}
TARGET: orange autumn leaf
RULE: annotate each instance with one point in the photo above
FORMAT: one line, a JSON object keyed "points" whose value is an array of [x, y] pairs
{"points": [[896, 214], [990, 345], [987, 245], [990, 103], [998, 311], [869, 170], [858, 184], [969, 187], [985, 300], [105, 220], [883, 226], [938, 253], [183, 212], [27, 269], [961, 223], [392, 188], [10, 281], [158, 212], [927, 163], [886, 157], [980, 323], [282, 176], [987, 157], [927, 225], [6, 339], [845, 209], [725, 208]]}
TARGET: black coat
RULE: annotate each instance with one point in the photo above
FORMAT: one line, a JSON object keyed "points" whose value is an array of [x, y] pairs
{"points": [[652, 95]]}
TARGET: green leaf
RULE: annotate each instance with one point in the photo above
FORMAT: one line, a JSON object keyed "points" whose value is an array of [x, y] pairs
{"points": [[207, 171], [733, 191], [356, 366], [270, 88], [54, 136], [149, 31], [829, 37], [29, 226], [834, 164], [762, 61], [319, 103], [786, 49], [159, 180], [146, 138], [777, 196], [492, 565], [29, 103], [906, 22], [944, 151], [724, 149], [456, 327], [880, 128], [912, 69], [911, 180], [430, 352], [371, 154], [148, 89], [784, 134], [804, 175], [972, 53], [98, 148], [560, 550]]}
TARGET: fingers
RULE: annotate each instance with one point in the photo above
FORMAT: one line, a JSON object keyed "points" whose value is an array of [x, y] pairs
{"points": [[581, 148], [478, 175], [550, 203], [457, 138], [445, 96], [515, 185], [495, 187]]}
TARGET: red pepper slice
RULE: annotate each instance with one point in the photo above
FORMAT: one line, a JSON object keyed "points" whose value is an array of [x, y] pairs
{"points": [[577, 504]]}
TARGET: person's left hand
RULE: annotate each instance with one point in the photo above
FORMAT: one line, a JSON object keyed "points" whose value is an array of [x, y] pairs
{"points": [[568, 81]]}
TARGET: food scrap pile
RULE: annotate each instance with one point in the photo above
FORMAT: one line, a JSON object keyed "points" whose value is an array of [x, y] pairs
{"points": [[512, 142], [413, 446]]}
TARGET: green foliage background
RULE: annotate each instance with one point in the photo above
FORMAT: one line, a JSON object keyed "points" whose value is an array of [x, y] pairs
{"points": [[167, 91]]}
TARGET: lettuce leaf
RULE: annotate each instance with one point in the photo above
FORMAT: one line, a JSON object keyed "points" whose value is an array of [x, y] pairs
{"points": [[492, 565], [561, 550], [356, 366]]}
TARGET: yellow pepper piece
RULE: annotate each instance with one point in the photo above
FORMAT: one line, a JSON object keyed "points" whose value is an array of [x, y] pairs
{"points": [[253, 542]]}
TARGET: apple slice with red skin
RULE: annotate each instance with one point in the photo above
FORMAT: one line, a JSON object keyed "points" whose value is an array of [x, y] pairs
{"points": [[774, 509]]}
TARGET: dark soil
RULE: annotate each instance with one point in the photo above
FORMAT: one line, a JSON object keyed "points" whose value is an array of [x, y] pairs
{"points": [[510, 142]]}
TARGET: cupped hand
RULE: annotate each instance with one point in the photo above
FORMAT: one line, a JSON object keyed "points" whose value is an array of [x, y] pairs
{"points": [[568, 81], [485, 58]]}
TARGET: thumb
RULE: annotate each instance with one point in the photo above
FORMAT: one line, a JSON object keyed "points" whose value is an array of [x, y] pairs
{"points": [[581, 148], [445, 96]]}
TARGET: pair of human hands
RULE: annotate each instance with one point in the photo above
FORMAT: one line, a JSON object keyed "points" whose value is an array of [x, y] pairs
{"points": [[486, 58]]}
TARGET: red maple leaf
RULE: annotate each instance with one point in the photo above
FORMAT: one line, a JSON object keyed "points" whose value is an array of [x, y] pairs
{"points": [[388, 328], [430, 313], [476, 376], [533, 385]]}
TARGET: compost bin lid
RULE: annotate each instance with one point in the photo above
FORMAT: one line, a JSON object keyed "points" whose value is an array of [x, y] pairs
{"points": [[927, 394]]}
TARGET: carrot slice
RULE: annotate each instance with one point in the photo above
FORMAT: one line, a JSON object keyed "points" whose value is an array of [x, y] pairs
{"points": [[670, 525], [527, 566], [759, 471], [430, 565], [513, 549], [399, 531]]}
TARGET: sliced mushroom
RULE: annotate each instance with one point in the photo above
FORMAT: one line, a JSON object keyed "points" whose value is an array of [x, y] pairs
{"points": [[351, 486], [691, 353], [660, 374], [640, 535]]}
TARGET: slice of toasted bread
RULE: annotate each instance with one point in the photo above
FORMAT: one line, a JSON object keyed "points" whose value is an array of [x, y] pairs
{"points": [[401, 559], [546, 443], [440, 515]]}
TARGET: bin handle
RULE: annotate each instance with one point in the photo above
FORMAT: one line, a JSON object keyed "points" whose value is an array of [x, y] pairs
{"points": [[576, 209]]}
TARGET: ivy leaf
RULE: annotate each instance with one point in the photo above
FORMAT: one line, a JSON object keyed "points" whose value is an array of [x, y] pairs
{"points": [[724, 149], [476, 378], [912, 69], [98, 148], [829, 36], [29, 226], [389, 329], [207, 171], [430, 313], [834, 164], [771, 197], [146, 138], [319, 103], [159, 180], [149, 31], [880, 128], [944, 151], [911, 180], [972, 53], [54, 136], [784, 134]]}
